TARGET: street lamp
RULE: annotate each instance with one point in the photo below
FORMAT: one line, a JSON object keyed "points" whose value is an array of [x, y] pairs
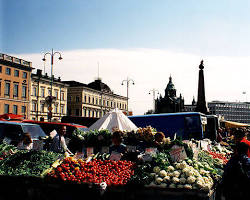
{"points": [[128, 81], [52, 54], [153, 91]]}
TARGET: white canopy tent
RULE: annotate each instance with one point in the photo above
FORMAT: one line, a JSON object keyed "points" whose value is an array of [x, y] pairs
{"points": [[112, 120]]}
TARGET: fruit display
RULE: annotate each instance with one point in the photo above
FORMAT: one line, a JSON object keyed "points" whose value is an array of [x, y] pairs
{"points": [[94, 171], [27, 163]]}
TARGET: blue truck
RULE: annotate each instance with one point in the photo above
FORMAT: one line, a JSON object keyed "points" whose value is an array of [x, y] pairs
{"points": [[185, 124]]}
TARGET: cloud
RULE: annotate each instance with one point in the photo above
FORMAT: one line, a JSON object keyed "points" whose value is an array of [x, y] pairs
{"points": [[225, 77]]}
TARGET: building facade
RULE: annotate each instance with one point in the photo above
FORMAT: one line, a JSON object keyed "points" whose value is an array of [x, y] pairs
{"points": [[15, 80], [93, 100], [40, 92], [170, 103], [231, 111]]}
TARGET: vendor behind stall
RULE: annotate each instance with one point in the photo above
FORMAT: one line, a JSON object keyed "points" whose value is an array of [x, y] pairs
{"points": [[241, 136], [58, 144], [117, 145], [159, 139]]}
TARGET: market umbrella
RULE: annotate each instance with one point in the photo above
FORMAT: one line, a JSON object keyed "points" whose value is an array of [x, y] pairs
{"points": [[11, 116], [114, 119]]}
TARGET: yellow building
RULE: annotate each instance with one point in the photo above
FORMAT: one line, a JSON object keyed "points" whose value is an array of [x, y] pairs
{"points": [[14, 85], [40, 90], [92, 100]]}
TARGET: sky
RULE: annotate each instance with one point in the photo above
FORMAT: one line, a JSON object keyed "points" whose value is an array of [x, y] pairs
{"points": [[145, 40]]}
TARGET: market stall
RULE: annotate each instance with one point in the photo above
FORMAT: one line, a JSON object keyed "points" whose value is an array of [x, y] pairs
{"points": [[189, 169]]}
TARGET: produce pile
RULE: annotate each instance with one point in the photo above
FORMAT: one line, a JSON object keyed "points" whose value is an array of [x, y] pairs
{"points": [[6, 150], [94, 171], [27, 163]]}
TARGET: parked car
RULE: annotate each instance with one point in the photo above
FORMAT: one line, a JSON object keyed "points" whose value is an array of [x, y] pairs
{"points": [[15, 130]]}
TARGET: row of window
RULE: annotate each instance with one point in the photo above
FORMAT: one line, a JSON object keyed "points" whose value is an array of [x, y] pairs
{"points": [[42, 108], [14, 109], [16, 88], [90, 113], [56, 93], [16, 72], [103, 102]]}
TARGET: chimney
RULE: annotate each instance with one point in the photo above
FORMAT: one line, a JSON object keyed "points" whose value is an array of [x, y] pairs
{"points": [[39, 72]]}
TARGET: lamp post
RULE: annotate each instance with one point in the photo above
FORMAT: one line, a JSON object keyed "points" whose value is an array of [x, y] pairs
{"points": [[52, 54], [154, 92], [128, 81]]}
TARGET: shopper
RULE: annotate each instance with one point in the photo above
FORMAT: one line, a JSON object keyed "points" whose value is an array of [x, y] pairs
{"points": [[117, 145], [236, 177], [241, 136], [58, 144], [159, 140], [26, 142]]}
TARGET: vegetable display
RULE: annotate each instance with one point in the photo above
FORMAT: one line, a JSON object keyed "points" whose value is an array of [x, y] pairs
{"points": [[94, 171], [27, 163]]}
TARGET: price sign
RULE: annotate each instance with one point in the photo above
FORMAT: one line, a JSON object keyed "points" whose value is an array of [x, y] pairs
{"points": [[115, 156], [204, 145], [90, 151], [151, 151], [178, 153]]}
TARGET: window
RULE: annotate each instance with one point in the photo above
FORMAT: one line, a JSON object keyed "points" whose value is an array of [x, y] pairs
{"points": [[62, 109], [56, 94], [77, 112], [89, 100], [15, 92], [16, 73], [56, 108], [23, 109], [8, 71], [34, 91], [42, 107], [24, 74], [96, 101], [6, 108], [77, 98], [7, 89], [42, 92], [15, 109], [62, 95], [85, 98], [33, 106], [0, 69], [24, 91], [49, 92], [93, 100]]}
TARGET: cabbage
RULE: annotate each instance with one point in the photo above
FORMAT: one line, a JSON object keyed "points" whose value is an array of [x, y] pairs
{"points": [[191, 179], [180, 186], [176, 174], [166, 179], [172, 185], [175, 180], [163, 173], [163, 185], [158, 180], [182, 180], [170, 168], [156, 169], [187, 186]]}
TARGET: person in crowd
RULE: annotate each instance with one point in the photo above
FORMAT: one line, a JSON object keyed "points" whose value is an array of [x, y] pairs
{"points": [[241, 136], [26, 142], [117, 144], [236, 177], [58, 144]]}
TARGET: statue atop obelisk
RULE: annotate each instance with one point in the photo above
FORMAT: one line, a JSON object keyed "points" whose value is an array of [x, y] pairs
{"points": [[201, 100]]}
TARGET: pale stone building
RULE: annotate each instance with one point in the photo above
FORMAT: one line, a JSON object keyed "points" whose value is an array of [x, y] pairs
{"points": [[40, 90], [93, 100]]}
